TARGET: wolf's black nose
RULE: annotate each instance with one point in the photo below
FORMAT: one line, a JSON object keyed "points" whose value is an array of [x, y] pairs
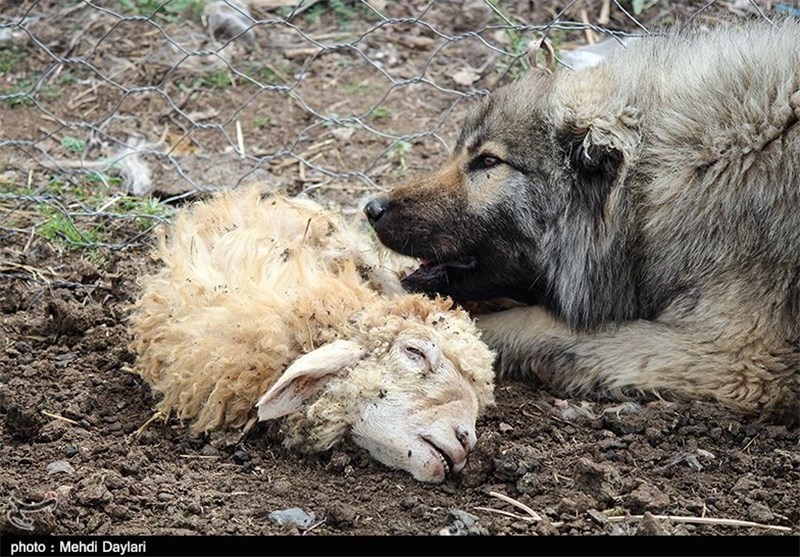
{"points": [[375, 207]]}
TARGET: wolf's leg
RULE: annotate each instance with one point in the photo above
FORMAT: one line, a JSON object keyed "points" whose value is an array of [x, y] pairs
{"points": [[645, 356]]}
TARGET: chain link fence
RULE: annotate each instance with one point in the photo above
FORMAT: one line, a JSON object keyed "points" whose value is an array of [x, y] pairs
{"points": [[111, 111]]}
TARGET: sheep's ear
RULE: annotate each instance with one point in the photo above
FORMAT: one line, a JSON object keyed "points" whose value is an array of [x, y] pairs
{"points": [[306, 376], [599, 151]]}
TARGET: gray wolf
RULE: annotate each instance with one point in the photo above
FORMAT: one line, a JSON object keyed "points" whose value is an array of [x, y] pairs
{"points": [[646, 211]]}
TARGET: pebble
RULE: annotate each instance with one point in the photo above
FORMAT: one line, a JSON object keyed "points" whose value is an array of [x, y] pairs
{"points": [[60, 466], [240, 457], [463, 524], [294, 516]]}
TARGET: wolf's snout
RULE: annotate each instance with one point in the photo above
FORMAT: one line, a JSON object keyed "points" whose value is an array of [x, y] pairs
{"points": [[376, 207]]}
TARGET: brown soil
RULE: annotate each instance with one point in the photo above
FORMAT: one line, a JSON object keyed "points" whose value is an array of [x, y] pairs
{"points": [[66, 395]]}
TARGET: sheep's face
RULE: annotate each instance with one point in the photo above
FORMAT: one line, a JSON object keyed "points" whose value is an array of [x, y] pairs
{"points": [[422, 416], [411, 399]]}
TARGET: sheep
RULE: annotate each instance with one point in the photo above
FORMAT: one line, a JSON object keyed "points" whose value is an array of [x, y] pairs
{"points": [[270, 307]]}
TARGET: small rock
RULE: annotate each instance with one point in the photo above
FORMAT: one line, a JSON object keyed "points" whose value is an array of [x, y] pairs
{"points": [[463, 524], [240, 457], [71, 450], [504, 427], [294, 516], [60, 466], [164, 496], [194, 507]]}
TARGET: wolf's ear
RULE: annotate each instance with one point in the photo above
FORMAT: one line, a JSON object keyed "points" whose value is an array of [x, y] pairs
{"points": [[307, 376], [599, 152]]}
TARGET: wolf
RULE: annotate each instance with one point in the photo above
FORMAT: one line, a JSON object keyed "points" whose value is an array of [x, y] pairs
{"points": [[644, 212]]}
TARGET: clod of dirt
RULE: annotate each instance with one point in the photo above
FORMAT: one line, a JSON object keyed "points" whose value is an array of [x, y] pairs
{"points": [[281, 488], [84, 271], [758, 512], [545, 527], [52, 431], [23, 424], [339, 463], [646, 497], [91, 491], [745, 485], [597, 480], [13, 302], [650, 526], [576, 503], [209, 450], [530, 484], [481, 461], [70, 318], [340, 516], [516, 462]]}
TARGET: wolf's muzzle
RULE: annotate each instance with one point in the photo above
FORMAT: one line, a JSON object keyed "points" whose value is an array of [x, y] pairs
{"points": [[376, 207]]}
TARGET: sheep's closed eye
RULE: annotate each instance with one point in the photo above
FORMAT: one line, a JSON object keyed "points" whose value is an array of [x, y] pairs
{"points": [[415, 354]]}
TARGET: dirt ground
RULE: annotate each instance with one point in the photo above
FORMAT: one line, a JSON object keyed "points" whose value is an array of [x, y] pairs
{"points": [[75, 420]]}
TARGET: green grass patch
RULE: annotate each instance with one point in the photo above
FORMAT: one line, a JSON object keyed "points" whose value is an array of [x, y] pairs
{"points": [[399, 152], [148, 210], [58, 227], [73, 144], [380, 112], [166, 10]]}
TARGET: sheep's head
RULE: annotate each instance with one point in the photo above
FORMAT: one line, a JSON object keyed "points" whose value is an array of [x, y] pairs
{"points": [[409, 388]]}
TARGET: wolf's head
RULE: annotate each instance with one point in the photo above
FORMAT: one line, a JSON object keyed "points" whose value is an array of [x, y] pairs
{"points": [[530, 156]]}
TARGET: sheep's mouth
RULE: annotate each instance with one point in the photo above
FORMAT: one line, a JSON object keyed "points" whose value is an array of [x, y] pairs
{"points": [[447, 462], [433, 275]]}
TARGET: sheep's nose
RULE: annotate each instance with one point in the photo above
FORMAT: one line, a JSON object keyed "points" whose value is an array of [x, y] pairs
{"points": [[467, 437], [376, 207]]}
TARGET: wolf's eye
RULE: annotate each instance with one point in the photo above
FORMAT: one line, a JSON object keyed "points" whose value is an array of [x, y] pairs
{"points": [[482, 162]]}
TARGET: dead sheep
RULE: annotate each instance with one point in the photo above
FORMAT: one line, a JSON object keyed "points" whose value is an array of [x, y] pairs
{"points": [[265, 307]]}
